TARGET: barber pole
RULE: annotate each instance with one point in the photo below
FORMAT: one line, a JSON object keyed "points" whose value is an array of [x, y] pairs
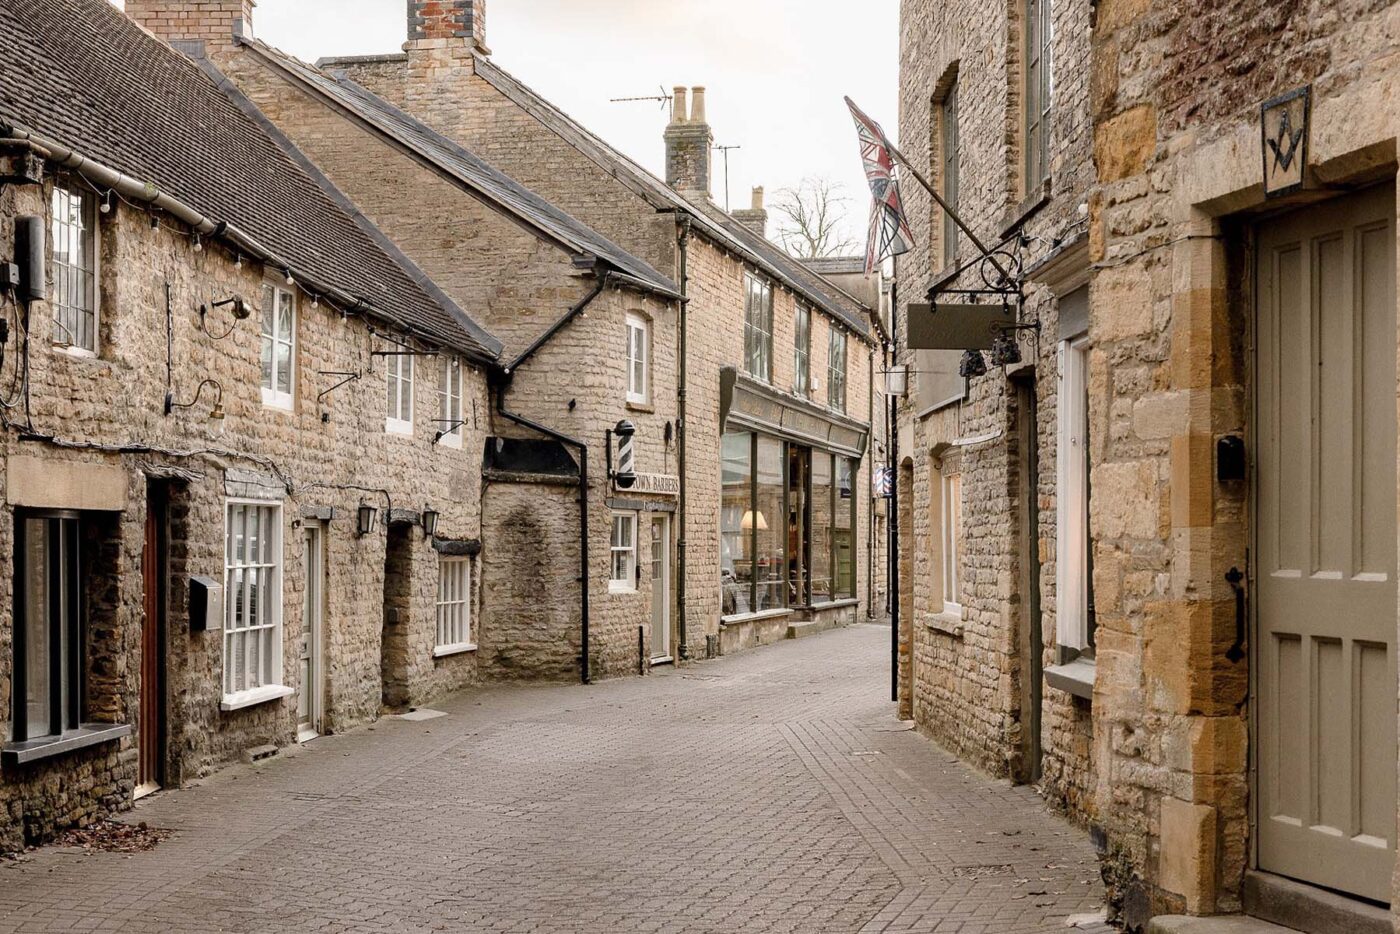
{"points": [[625, 475]]}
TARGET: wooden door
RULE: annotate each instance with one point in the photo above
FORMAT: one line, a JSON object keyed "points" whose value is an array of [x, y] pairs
{"points": [[150, 718], [1325, 684], [660, 587]]}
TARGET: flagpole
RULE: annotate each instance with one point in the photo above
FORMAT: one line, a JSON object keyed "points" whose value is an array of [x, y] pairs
{"points": [[918, 176]]}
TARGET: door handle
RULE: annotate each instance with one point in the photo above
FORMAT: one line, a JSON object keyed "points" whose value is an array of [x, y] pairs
{"points": [[1235, 578]]}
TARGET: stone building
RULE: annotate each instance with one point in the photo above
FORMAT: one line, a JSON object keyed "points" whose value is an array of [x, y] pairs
{"points": [[1222, 482], [981, 523], [774, 363], [228, 522]]}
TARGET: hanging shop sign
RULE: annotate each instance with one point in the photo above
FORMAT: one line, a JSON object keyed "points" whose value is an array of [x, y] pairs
{"points": [[957, 327], [882, 481], [1284, 127]]}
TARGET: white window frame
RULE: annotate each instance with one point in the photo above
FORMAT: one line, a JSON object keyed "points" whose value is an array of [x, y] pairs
{"points": [[836, 346], [271, 395], [398, 366], [236, 697], [1072, 496], [87, 281], [454, 606], [638, 359], [627, 583], [951, 535], [450, 401]]}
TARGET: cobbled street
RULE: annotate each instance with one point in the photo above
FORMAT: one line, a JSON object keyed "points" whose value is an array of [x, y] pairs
{"points": [[772, 791]]}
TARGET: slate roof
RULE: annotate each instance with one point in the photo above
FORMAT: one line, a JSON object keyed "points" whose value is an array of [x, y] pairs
{"points": [[836, 265], [488, 182], [708, 219], [83, 74]]}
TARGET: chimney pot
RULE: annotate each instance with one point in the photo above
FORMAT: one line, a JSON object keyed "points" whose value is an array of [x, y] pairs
{"points": [[697, 105], [757, 202], [754, 217], [679, 113]]}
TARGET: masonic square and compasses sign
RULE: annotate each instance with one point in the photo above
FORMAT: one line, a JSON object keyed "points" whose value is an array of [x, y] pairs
{"points": [[1284, 125]]}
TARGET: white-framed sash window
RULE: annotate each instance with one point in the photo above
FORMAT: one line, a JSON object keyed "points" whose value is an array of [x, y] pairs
{"points": [[758, 327], [279, 328], [454, 606], [623, 549], [638, 359], [836, 369], [951, 535], [73, 232], [1073, 587], [398, 379], [450, 402], [252, 603], [801, 349]]}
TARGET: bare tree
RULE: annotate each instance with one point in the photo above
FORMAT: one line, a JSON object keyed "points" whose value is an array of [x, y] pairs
{"points": [[812, 218]]}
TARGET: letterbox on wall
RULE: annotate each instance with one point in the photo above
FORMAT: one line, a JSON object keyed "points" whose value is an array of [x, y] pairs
{"points": [[206, 605]]}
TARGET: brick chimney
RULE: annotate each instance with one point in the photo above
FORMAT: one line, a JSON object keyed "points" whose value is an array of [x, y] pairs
{"points": [[211, 22], [438, 23], [755, 217], [689, 142]]}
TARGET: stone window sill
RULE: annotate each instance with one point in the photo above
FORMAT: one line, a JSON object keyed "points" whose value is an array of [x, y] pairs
{"points": [[833, 604], [46, 747], [949, 624], [1020, 213], [458, 649], [1076, 677], [740, 618], [254, 696], [636, 405]]}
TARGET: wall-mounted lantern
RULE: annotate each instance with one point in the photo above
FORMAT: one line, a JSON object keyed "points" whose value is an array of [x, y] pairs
{"points": [[897, 380], [430, 520], [365, 518]]}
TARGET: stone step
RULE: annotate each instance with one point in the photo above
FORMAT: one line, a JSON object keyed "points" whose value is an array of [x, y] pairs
{"points": [[1219, 924], [1310, 909], [808, 627]]}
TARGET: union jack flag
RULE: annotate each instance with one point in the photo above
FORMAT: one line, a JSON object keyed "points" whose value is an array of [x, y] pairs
{"points": [[889, 229]]}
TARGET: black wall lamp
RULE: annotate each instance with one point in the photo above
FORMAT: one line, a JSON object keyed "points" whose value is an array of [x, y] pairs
{"points": [[430, 521], [366, 517], [239, 309]]}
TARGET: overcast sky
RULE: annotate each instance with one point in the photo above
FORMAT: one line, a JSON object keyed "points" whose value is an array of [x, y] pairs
{"points": [[775, 71]]}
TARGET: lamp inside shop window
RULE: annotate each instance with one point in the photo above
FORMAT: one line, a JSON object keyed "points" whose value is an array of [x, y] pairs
{"points": [[365, 518], [897, 380], [753, 519], [430, 520]]}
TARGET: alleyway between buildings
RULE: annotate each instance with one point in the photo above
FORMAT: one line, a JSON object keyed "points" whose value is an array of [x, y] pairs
{"points": [[771, 791]]}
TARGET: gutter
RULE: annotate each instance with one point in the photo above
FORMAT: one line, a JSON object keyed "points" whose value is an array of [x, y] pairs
{"points": [[683, 242], [147, 192], [508, 375]]}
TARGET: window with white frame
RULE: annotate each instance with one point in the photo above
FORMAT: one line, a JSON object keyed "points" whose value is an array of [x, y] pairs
{"points": [[624, 551], [836, 369], [1074, 598], [758, 327], [638, 359], [801, 349], [951, 535], [450, 402], [279, 328], [454, 606], [398, 371], [252, 599], [73, 232]]}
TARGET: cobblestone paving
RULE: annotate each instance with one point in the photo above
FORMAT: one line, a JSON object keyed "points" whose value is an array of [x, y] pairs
{"points": [[772, 791]]}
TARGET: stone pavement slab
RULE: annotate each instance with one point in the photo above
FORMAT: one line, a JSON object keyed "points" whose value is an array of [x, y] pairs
{"points": [[771, 791]]}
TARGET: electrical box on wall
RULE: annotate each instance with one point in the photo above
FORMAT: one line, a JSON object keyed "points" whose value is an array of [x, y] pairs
{"points": [[29, 257], [206, 605]]}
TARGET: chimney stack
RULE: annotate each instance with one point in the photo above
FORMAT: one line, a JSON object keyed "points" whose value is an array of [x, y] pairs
{"points": [[441, 23], [212, 23], [689, 142], [754, 217]]}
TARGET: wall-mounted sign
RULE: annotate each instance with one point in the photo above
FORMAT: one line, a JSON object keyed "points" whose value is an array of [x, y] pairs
{"points": [[882, 481], [957, 327], [656, 483], [1284, 126]]}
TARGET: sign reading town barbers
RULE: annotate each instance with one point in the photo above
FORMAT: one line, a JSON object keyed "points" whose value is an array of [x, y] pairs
{"points": [[656, 483]]}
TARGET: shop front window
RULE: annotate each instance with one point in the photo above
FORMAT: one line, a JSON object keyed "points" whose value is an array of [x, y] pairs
{"points": [[736, 541], [843, 522], [821, 514], [768, 507]]}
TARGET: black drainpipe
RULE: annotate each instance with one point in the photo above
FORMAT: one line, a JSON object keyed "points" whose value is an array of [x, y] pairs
{"points": [[684, 243], [509, 374]]}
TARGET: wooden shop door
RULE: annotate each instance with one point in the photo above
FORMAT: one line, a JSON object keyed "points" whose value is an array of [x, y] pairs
{"points": [[1325, 534]]}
